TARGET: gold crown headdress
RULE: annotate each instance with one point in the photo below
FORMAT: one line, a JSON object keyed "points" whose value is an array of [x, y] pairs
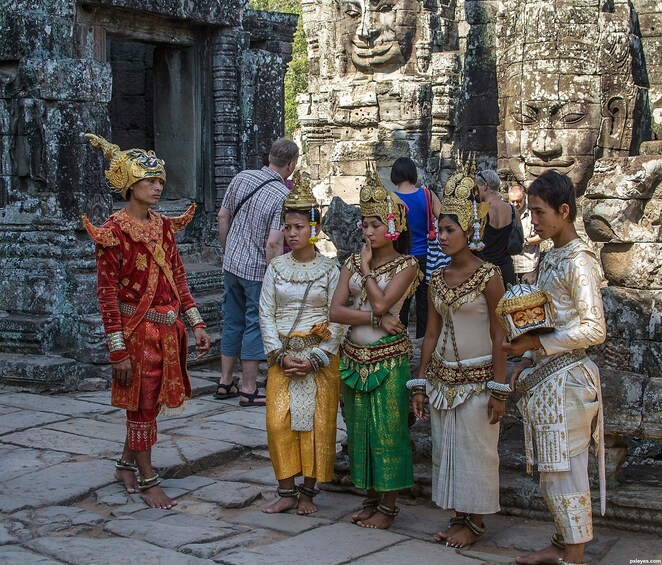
{"points": [[461, 200], [301, 197], [127, 167], [375, 200]]}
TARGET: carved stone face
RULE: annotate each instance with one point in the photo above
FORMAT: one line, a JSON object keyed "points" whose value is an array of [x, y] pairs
{"points": [[551, 121], [377, 33]]}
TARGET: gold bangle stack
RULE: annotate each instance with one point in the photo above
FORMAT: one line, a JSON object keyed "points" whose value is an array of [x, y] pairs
{"points": [[115, 341], [193, 317]]}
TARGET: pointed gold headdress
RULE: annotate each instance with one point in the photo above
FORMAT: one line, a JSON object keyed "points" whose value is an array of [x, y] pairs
{"points": [[127, 167], [301, 197], [375, 200], [461, 199]]}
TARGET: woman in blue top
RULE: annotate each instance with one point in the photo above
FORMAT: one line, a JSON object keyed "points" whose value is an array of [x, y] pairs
{"points": [[404, 176]]}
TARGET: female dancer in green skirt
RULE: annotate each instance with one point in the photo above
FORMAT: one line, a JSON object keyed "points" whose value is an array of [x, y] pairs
{"points": [[374, 366]]}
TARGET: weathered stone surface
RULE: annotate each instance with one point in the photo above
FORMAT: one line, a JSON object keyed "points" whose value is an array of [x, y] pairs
{"points": [[188, 483], [623, 396], [246, 437], [633, 314], [56, 404], [209, 550], [15, 554], [338, 223], [255, 419], [42, 438], [623, 221], [24, 419], [168, 535], [626, 179], [87, 550], [627, 550], [333, 544], [425, 552], [635, 265], [55, 485], [652, 409], [229, 494], [286, 523]]}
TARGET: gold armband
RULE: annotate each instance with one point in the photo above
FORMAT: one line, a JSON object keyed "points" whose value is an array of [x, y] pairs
{"points": [[193, 317], [115, 342]]}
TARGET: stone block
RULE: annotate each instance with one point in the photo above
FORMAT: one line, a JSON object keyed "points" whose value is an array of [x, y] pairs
{"points": [[425, 552], [254, 419], [634, 265], [88, 550], [16, 554], [229, 494], [625, 221], [88, 428], [626, 179], [329, 545], [238, 435], [24, 419], [622, 396], [29, 31], [652, 409], [641, 356], [633, 314], [43, 438], [66, 79], [209, 550]]}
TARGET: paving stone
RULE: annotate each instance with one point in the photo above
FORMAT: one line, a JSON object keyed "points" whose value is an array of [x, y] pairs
{"points": [[97, 397], [629, 550], [490, 558], [203, 453], [7, 409], [120, 550], [14, 555], [334, 505], [195, 407], [58, 484], [167, 535], [42, 438], [202, 386], [255, 419], [11, 503], [209, 550], [95, 429], [198, 508], [286, 522], [129, 509], [5, 535], [261, 474], [24, 419], [17, 461], [424, 552], [119, 499], [153, 514], [229, 494], [534, 536], [57, 404], [188, 483], [67, 514], [166, 456], [245, 437], [420, 521], [329, 545]]}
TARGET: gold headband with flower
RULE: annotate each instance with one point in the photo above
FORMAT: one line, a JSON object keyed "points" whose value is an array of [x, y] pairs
{"points": [[461, 200], [127, 167], [301, 198], [376, 201]]}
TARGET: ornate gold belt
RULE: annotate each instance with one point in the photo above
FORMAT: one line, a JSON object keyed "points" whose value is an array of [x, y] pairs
{"points": [[299, 342], [539, 375], [440, 372], [167, 318], [371, 353]]}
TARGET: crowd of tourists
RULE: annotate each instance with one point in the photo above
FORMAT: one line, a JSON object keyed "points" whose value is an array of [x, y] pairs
{"points": [[335, 336]]}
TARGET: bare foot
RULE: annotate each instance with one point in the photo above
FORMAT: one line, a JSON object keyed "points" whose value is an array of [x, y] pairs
{"points": [[306, 505], [367, 512], [377, 521], [442, 537], [282, 505], [462, 538], [128, 478], [156, 498], [548, 556]]}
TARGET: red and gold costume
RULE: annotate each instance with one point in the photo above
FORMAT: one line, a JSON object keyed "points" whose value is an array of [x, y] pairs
{"points": [[142, 290]]}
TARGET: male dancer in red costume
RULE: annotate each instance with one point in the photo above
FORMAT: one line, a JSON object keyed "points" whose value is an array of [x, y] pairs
{"points": [[142, 289]]}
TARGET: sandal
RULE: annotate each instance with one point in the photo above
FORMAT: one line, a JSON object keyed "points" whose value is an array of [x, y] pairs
{"points": [[223, 391], [252, 397]]}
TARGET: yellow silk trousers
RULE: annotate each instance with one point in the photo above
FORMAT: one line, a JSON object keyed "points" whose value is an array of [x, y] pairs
{"points": [[311, 454]]}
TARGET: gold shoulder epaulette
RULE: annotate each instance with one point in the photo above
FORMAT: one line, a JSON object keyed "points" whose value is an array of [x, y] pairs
{"points": [[102, 236], [180, 222]]}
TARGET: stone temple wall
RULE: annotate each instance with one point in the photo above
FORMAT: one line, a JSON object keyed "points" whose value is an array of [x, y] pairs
{"points": [[200, 82]]}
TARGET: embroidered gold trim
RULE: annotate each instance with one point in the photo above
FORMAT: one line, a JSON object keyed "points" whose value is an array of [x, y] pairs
{"points": [[451, 298], [439, 372], [367, 359]]}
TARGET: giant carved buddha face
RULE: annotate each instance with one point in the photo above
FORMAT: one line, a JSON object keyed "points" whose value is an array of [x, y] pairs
{"points": [[551, 121], [377, 33]]}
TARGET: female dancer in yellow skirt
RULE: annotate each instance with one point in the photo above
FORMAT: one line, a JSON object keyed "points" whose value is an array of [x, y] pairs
{"points": [[302, 351], [375, 362]]}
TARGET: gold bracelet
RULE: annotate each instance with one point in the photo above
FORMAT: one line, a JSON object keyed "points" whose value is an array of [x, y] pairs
{"points": [[115, 341], [193, 317]]}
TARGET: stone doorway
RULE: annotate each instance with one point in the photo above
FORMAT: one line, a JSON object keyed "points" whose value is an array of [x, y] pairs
{"points": [[156, 102]]}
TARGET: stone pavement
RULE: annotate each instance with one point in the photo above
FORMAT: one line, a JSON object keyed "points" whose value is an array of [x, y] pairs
{"points": [[59, 502]]}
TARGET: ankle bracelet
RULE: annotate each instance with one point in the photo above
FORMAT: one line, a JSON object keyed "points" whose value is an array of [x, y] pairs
{"points": [[309, 492], [287, 492], [123, 465], [557, 541], [146, 484]]}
